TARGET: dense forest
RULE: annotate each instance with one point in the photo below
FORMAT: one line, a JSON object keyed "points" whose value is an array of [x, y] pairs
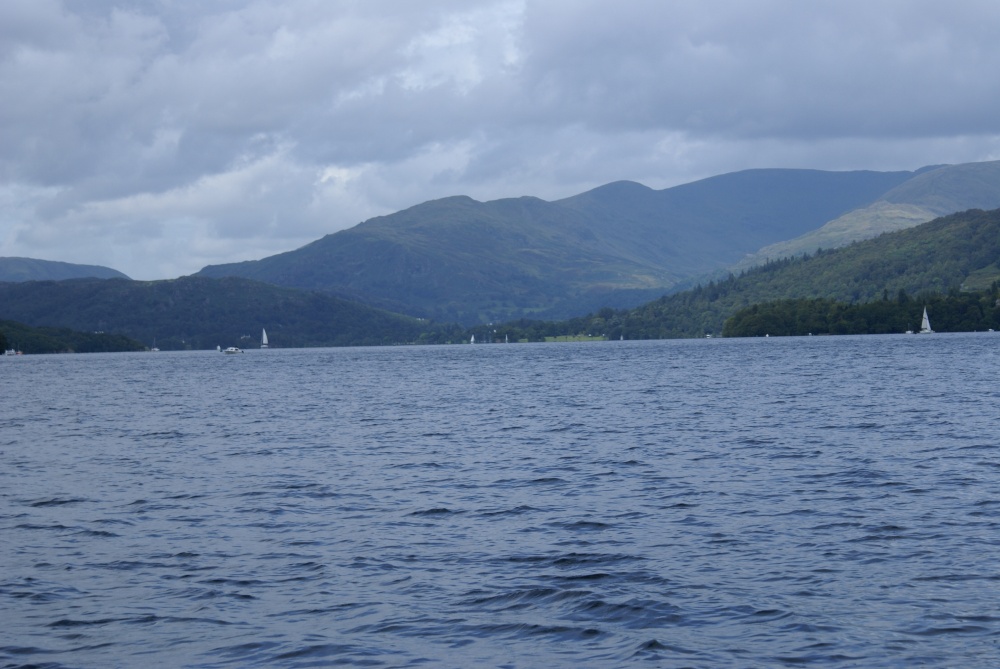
{"points": [[197, 313], [25, 339], [948, 255], [955, 312]]}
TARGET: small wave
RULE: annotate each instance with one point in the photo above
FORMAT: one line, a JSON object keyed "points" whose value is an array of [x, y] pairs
{"points": [[520, 598], [337, 609], [98, 534], [956, 578], [245, 651], [596, 576], [152, 619], [419, 465], [437, 511], [566, 428], [957, 629], [238, 582], [583, 526], [185, 496], [572, 560], [757, 441], [751, 614], [130, 565], [633, 614], [33, 526], [834, 526], [653, 648], [516, 511], [167, 434], [43, 503], [527, 630], [67, 622]]}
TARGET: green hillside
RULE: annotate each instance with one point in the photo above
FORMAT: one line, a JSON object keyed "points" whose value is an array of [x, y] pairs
{"points": [[30, 269], [199, 313], [955, 312], [936, 261], [947, 255], [951, 188], [457, 259], [932, 192], [26, 339]]}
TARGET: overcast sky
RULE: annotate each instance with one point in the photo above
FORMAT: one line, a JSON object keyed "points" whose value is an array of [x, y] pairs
{"points": [[159, 136]]}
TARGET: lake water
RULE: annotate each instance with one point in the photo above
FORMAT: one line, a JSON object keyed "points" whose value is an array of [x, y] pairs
{"points": [[822, 502]]}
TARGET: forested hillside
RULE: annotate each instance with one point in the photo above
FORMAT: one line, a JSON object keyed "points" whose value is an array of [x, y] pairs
{"points": [[619, 245], [955, 312], [950, 254], [196, 313], [25, 339], [932, 192]]}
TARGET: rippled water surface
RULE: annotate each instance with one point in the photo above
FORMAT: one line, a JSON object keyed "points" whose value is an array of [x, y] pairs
{"points": [[825, 501]]}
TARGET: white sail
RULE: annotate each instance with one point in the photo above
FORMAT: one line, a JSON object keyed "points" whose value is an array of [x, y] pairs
{"points": [[263, 338], [925, 324]]}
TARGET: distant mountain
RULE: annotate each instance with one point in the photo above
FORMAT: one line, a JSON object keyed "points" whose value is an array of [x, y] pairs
{"points": [[932, 192], [949, 255], [199, 313], [955, 253], [30, 269], [951, 188], [457, 259]]}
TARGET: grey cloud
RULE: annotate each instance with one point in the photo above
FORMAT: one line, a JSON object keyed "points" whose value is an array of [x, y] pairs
{"points": [[770, 68], [257, 125]]}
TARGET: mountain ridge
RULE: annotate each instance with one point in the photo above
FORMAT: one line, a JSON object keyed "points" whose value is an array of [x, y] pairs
{"points": [[620, 244], [14, 268], [949, 254], [933, 191]]}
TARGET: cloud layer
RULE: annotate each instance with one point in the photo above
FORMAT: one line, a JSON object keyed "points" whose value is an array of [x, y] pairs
{"points": [[159, 136]]}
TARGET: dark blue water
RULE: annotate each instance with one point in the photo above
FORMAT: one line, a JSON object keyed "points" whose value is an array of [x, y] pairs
{"points": [[822, 502]]}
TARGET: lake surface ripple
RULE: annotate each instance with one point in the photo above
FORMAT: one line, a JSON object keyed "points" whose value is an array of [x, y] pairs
{"points": [[822, 502]]}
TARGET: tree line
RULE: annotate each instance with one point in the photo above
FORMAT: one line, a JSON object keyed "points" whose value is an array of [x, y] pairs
{"points": [[952, 312], [26, 339]]}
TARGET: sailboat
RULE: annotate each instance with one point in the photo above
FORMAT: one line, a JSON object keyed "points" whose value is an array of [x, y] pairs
{"points": [[925, 324], [263, 338]]}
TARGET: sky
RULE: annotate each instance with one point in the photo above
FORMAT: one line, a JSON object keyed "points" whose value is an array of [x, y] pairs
{"points": [[160, 136]]}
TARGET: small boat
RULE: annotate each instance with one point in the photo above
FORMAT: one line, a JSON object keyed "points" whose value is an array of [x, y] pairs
{"points": [[925, 324], [263, 338], [232, 349], [10, 351]]}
